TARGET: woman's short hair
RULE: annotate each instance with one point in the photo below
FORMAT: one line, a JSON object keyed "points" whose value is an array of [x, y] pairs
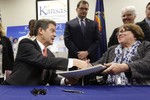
{"points": [[135, 29], [131, 9]]}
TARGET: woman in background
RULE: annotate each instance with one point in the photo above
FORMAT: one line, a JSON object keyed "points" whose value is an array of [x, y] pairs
{"points": [[6, 55]]}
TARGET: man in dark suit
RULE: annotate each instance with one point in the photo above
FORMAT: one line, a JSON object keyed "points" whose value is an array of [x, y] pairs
{"points": [[30, 61], [82, 35], [145, 24]]}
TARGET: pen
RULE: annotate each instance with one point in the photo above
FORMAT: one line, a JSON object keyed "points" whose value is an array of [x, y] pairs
{"points": [[74, 91]]}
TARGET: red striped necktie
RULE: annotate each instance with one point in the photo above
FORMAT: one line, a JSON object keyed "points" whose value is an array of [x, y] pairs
{"points": [[45, 52]]}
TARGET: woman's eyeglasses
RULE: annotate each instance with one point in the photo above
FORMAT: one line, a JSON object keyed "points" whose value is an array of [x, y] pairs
{"points": [[122, 31]]}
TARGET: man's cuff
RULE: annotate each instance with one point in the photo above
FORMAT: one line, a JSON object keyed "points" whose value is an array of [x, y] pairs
{"points": [[62, 82], [70, 63]]}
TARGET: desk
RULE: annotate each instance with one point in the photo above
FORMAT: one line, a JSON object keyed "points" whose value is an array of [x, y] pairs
{"points": [[90, 93]]}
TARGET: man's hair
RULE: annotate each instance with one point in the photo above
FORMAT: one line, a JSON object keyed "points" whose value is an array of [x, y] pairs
{"points": [[82, 2], [147, 4], [129, 9], [42, 23]]}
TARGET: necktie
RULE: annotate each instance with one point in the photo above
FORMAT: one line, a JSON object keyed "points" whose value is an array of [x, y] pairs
{"points": [[82, 25], [45, 52], [45, 72]]}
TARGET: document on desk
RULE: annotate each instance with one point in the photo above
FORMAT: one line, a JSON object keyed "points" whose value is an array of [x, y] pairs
{"points": [[82, 72]]}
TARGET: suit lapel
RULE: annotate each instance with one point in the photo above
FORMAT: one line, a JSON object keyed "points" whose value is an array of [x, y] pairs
{"points": [[50, 53], [87, 21], [37, 45]]}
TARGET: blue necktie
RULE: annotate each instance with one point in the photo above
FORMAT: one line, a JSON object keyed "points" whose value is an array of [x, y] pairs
{"points": [[82, 26]]}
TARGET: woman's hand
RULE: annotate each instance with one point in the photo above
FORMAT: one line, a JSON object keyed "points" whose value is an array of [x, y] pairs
{"points": [[115, 68]]}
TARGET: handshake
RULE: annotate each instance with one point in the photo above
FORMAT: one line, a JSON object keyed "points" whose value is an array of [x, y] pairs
{"points": [[73, 76], [81, 64], [109, 68]]}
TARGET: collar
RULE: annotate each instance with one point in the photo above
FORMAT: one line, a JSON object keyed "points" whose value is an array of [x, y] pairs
{"points": [[79, 19], [41, 45], [30, 37]]}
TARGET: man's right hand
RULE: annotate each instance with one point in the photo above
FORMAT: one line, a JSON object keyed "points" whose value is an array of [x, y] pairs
{"points": [[80, 63]]}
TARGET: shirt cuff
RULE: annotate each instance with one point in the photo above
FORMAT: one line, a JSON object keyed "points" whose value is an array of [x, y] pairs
{"points": [[70, 63], [62, 82]]}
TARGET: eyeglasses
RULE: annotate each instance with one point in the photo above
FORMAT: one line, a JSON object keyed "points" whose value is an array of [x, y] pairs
{"points": [[121, 32]]}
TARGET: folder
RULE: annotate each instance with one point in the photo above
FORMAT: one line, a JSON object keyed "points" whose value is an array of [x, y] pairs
{"points": [[82, 72]]}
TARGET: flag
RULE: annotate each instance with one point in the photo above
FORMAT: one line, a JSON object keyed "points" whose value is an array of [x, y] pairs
{"points": [[100, 19]]}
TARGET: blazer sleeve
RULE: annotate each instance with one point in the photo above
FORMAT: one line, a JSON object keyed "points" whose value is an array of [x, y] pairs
{"points": [[54, 78], [140, 67], [107, 57], [28, 52]]}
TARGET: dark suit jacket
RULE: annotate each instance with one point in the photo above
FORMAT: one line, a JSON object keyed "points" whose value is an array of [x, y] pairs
{"points": [[76, 40], [8, 57], [30, 62], [146, 29], [113, 39]]}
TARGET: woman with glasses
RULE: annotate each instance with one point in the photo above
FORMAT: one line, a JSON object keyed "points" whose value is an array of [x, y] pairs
{"points": [[129, 61]]}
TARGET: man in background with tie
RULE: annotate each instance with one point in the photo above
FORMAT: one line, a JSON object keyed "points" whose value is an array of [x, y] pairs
{"points": [[82, 36], [32, 59]]}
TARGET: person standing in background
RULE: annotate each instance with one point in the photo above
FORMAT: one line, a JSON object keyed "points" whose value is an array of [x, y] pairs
{"points": [[145, 24], [147, 19], [6, 55], [128, 16], [30, 35], [147, 11], [82, 37]]}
